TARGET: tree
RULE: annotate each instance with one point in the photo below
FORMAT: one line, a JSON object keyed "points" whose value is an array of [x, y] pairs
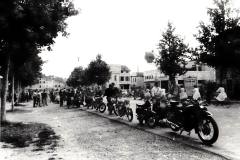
{"points": [[77, 77], [219, 40], [172, 56], [98, 71], [27, 25]]}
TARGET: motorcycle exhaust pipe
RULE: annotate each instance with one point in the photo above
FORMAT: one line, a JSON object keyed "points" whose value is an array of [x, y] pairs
{"points": [[171, 123]]}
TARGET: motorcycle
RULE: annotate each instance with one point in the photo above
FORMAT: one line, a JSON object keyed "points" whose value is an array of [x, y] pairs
{"points": [[123, 109], [192, 115], [112, 104], [98, 104], [146, 114]]}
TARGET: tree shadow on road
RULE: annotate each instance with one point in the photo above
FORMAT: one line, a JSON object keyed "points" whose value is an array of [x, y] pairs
{"points": [[20, 135]]}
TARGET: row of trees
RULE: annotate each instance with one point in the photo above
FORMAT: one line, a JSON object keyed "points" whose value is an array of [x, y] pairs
{"points": [[219, 45], [97, 72], [26, 26]]}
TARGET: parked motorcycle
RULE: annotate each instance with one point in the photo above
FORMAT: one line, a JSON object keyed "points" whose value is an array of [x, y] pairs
{"points": [[192, 115], [112, 105], [123, 109], [145, 114], [98, 104]]}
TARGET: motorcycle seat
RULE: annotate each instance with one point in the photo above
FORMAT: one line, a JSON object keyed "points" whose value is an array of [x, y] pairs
{"points": [[174, 103]]}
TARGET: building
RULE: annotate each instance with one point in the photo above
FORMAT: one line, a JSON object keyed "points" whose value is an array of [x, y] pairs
{"points": [[120, 75], [48, 82], [153, 76], [195, 75], [137, 79]]}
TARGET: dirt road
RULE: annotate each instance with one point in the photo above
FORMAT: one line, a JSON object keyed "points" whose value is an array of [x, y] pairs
{"points": [[88, 136]]}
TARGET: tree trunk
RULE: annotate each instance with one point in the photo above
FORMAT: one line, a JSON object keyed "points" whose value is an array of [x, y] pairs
{"points": [[13, 92], [172, 84], [4, 91]]}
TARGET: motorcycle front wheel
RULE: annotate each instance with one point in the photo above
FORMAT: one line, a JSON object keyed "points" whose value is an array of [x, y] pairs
{"points": [[129, 114], [102, 107], [208, 130], [151, 122], [115, 110]]}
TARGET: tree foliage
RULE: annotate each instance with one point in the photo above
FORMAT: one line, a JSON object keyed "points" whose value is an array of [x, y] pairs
{"points": [[220, 39], [172, 56], [77, 77], [28, 73], [25, 27], [98, 71]]}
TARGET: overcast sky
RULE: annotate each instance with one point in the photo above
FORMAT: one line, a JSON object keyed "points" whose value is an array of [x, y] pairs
{"points": [[122, 31]]}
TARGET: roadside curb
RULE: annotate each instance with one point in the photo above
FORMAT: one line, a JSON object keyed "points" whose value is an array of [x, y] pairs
{"points": [[118, 120]]}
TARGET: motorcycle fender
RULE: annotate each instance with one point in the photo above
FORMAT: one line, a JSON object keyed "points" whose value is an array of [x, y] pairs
{"points": [[207, 113]]}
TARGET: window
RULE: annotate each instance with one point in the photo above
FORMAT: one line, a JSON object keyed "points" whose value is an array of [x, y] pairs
{"points": [[199, 68], [40, 86], [121, 78], [127, 78], [115, 78]]}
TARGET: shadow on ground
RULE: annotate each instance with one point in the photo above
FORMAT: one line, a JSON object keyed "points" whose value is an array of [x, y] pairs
{"points": [[20, 135]]}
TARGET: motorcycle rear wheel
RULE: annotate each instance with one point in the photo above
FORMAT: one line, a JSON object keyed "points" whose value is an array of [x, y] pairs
{"points": [[205, 128], [102, 107], [129, 114]]}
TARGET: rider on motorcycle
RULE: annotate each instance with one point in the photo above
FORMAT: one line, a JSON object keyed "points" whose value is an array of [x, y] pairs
{"points": [[110, 92]]}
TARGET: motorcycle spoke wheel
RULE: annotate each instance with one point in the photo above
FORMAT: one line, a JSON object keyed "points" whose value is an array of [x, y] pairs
{"points": [[129, 115], [102, 107], [115, 110], [151, 122], [208, 131]]}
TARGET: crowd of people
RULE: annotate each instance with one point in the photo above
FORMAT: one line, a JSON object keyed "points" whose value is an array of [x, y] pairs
{"points": [[85, 95]]}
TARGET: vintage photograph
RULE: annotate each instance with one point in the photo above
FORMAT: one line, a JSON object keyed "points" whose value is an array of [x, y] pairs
{"points": [[119, 80]]}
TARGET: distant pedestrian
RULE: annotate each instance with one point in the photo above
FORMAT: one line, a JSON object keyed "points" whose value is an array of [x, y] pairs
{"points": [[222, 96], [35, 98], [44, 98]]}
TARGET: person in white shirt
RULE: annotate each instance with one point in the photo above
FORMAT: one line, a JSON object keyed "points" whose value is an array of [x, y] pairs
{"points": [[156, 91], [196, 93], [222, 96], [183, 95]]}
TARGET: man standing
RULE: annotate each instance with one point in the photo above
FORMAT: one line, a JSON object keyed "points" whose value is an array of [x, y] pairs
{"points": [[156, 96], [44, 98], [109, 93]]}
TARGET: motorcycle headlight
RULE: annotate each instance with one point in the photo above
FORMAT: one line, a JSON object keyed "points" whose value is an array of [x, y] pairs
{"points": [[202, 107]]}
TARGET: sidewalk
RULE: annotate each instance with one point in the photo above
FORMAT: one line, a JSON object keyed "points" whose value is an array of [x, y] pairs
{"points": [[228, 120]]}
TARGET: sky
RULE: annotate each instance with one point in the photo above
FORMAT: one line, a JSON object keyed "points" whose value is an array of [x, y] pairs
{"points": [[122, 31]]}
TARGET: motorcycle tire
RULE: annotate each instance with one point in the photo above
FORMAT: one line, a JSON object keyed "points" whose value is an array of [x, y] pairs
{"points": [[140, 121], [203, 130], [151, 122], [115, 110], [102, 107], [129, 114]]}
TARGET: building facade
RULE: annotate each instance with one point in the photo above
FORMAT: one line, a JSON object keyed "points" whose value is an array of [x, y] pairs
{"points": [[196, 75], [120, 75], [137, 79], [48, 82]]}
